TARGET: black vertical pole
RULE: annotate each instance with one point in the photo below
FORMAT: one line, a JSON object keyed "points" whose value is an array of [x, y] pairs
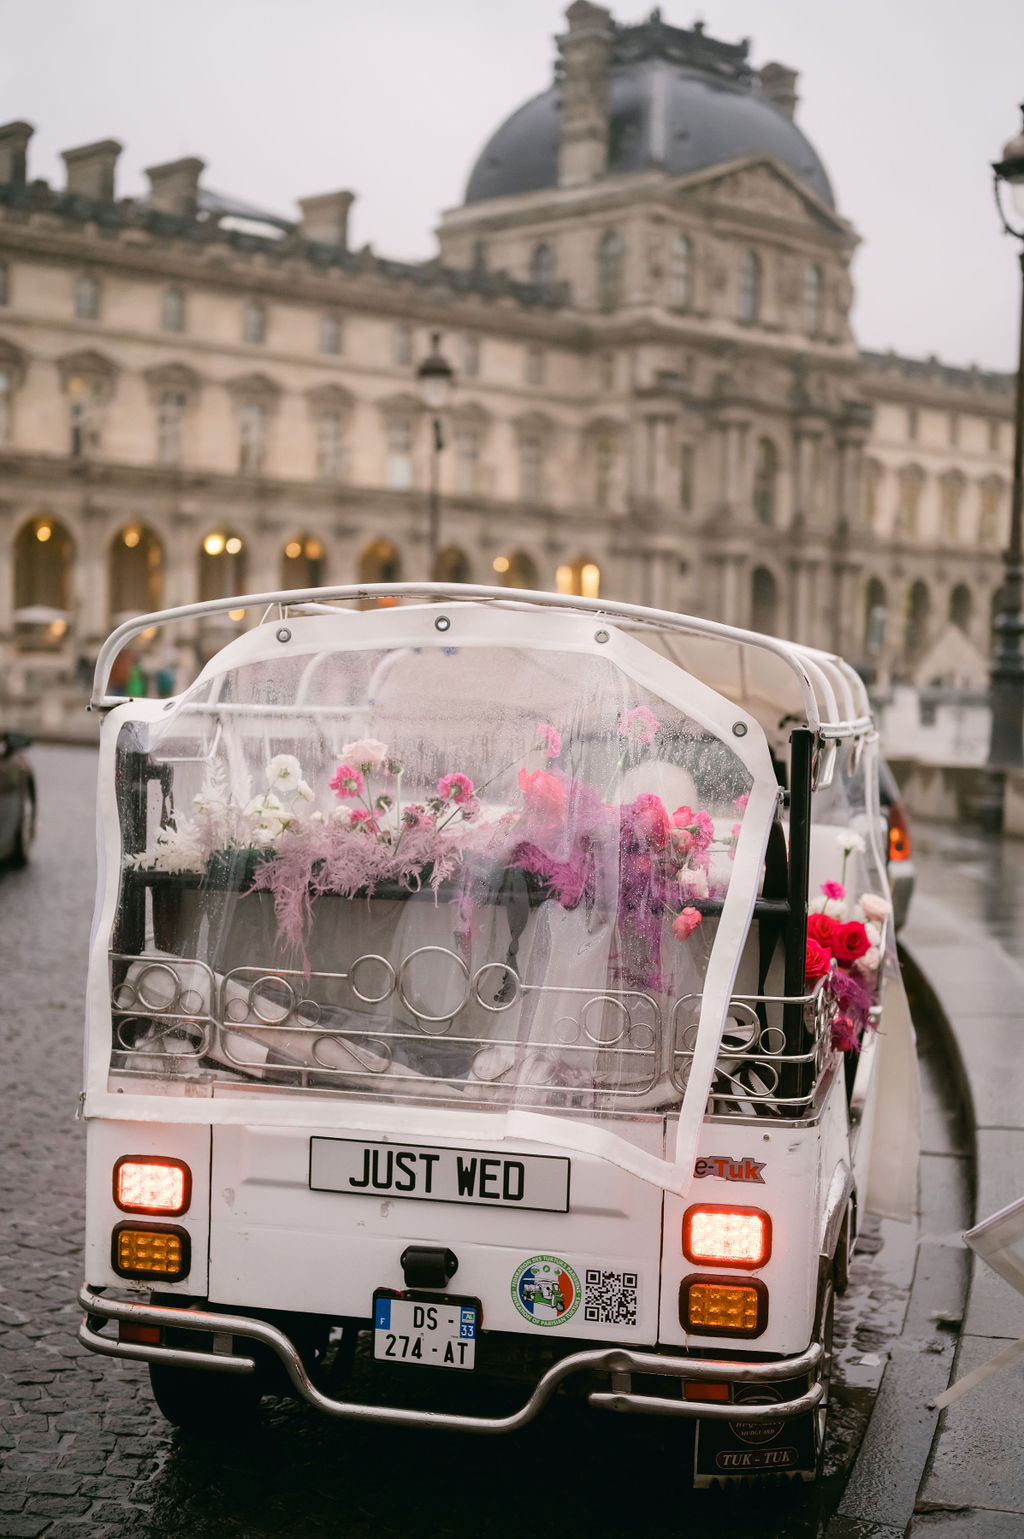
{"points": [[801, 758]]}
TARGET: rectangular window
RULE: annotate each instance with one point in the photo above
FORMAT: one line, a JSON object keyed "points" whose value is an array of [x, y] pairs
{"points": [[467, 459], [534, 372], [398, 468], [471, 357], [252, 436], [686, 458], [913, 422], [401, 346], [87, 298], [254, 322], [84, 395], [172, 310], [330, 334], [604, 469], [170, 427], [329, 445], [531, 468]]}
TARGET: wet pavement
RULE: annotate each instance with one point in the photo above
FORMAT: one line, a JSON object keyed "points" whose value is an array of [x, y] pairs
{"points": [[979, 874], [86, 1455]]}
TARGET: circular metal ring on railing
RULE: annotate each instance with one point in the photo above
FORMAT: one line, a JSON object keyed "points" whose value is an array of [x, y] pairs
{"points": [[193, 1035], [634, 1032], [192, 1002], [125, 996], [283, 1012], [150, 970], [742, 1013], [507, 973], [504, 1066], [765, 1081], [236, 1011], [308, 1012], [572, 1036], [392, 977], [446, 1019], [772, 1040], [603, 1000]]}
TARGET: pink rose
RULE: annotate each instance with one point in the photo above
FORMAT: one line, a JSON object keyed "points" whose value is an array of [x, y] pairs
{"points": [[874, 907], [684, 924], [834, 891], [650, 822], [549, 740], [455, 788], [850, 942], [639, 725], [368, 753], [819, 961], [545, 798], [347, 782]]}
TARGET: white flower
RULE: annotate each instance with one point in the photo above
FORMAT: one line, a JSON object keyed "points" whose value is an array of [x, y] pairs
{"points": [[317, 817], [340, 815], [268, 802], [175, 849], [693, 884], [284, 770], [868, 963], [210, 805], [304, 791], [874, 907], [367, 753], [835, 908], [850, 843], [873, 933]]}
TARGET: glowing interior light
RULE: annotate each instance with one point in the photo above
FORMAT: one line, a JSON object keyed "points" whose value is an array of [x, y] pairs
{"points": [[233, 546], [314, 550], [213, 544], [151, 1187], [236, 614], [43, 532], [726, 1237], [563, 579], [590, 580], [131, 538], [293, 550], [501, 563], [148, 633]]}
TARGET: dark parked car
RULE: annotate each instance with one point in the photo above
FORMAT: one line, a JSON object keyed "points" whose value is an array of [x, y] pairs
{"points": [[17, 799]]}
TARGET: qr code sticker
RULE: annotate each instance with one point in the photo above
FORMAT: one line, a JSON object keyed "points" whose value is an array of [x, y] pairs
{"points": [[610, 1298]]}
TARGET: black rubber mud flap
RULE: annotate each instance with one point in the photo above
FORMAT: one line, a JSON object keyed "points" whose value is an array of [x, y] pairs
{"points": [[727, 1451]]}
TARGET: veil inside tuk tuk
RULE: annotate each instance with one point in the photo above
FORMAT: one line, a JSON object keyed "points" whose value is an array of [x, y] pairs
{"points": [[508, 865]]}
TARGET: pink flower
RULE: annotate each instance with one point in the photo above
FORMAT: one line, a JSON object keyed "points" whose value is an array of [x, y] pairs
{"points": [[639, 725], [874, 907], [545, 797], [684, 924], [649, 821], [834, 891], [347, 782], [695, 830], [415, 816], [735, 830], [368, 753], [693, 883], [549, 739], [844, 1035], [455, 788], [822, 929], [740, 802], [850, 942], [364, 820]]}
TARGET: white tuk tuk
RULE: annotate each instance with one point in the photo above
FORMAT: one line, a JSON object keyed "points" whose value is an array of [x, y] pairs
{"points": [[491, 984]]}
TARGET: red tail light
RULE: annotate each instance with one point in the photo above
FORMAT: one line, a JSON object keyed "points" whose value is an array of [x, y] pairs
{"points": [[899, 834], [727, 1236], [150, 1183]]}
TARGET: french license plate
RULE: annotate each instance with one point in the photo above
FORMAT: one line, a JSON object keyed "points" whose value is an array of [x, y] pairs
{"points": [[431, 1335]]}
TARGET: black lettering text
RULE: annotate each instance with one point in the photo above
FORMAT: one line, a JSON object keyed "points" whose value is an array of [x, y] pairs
{"points": [[515, 1181], [366, 1171], [382, 1183], [488, 1174], [405, 1164], [465, 1172], [430, 1160]]}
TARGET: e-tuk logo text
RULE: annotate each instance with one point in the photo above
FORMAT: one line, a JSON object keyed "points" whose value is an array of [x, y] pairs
{"points": [[728, 1169]]}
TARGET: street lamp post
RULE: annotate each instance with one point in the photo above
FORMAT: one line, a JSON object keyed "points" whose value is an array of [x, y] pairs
{"points": [[1006, 746], [436, 377]]}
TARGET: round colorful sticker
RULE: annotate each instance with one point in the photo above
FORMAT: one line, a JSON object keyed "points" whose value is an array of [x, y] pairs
{"points": [[546, 1290]]}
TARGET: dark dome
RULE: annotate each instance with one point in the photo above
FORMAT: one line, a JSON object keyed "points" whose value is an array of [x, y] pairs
{"points": [[661, 114]]}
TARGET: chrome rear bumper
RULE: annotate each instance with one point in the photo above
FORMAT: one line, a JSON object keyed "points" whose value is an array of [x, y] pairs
{"points": [[619, 1362]]}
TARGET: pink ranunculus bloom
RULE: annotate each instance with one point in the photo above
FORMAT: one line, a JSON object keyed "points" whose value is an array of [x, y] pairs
{"points": [[639, 725], [874, 907], [549, 739], [456, 788], [684, 924], [545, 797], [367, 752], [844, 1035], [819, 961], [650, 824], [347, 782], [834, 891], [740, 802]]}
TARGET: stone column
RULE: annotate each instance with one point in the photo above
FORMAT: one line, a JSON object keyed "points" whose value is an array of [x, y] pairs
{"points": [[585, 52], [8, 525]]}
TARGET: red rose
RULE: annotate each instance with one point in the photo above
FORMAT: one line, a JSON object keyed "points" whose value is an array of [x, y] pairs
{"points": [[819, 960], [822, 928], [651, 826], [850, 942]]}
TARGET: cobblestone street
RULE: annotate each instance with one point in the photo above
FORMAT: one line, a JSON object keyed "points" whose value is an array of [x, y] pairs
{"points": [[86, 1454]]}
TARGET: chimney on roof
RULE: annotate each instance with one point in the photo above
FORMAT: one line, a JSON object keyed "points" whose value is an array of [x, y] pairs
{"points": [[14, 139], [585, 54], [90, 169], [174, 187], [325, 218], [778, 85]]}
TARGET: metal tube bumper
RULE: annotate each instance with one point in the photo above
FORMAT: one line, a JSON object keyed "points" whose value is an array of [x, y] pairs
{"points": [[611, 1360]]}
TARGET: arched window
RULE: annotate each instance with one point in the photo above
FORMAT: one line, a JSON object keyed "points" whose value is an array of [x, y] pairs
{"points": [[43, 556], [302, 563], [750, 288], [581, 577], [543, 265], [135, 571], [87, 397], [812, 300], [380, 562], [915, 634], [516, 570], [766, 465], [876, 608], [87, 297], [222, 565], [452, 565], [961, 607], [764, 602], [681, 273], [254, 321], [609, 270], [172, 310]]}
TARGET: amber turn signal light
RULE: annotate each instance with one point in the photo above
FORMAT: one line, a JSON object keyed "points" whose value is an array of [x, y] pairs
{"points": [[727, 1236], [142, 1251], [151, 1183], [711, 1307]]}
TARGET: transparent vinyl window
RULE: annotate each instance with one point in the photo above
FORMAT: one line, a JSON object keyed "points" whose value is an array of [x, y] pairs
{"points": [[486, 875]]}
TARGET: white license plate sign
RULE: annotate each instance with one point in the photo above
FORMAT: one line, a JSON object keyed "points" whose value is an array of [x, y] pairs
{"points": [[430, 1335], [536, 1181]]}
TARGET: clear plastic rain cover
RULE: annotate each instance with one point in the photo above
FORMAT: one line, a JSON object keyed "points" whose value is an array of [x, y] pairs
{"points": [[486, 875]]}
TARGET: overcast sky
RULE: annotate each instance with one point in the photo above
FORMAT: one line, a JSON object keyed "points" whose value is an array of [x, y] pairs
{"points": [[906, 101]]}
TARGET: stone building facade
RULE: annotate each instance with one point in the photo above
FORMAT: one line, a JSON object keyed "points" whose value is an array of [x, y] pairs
{"points": [[645, 298]]}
